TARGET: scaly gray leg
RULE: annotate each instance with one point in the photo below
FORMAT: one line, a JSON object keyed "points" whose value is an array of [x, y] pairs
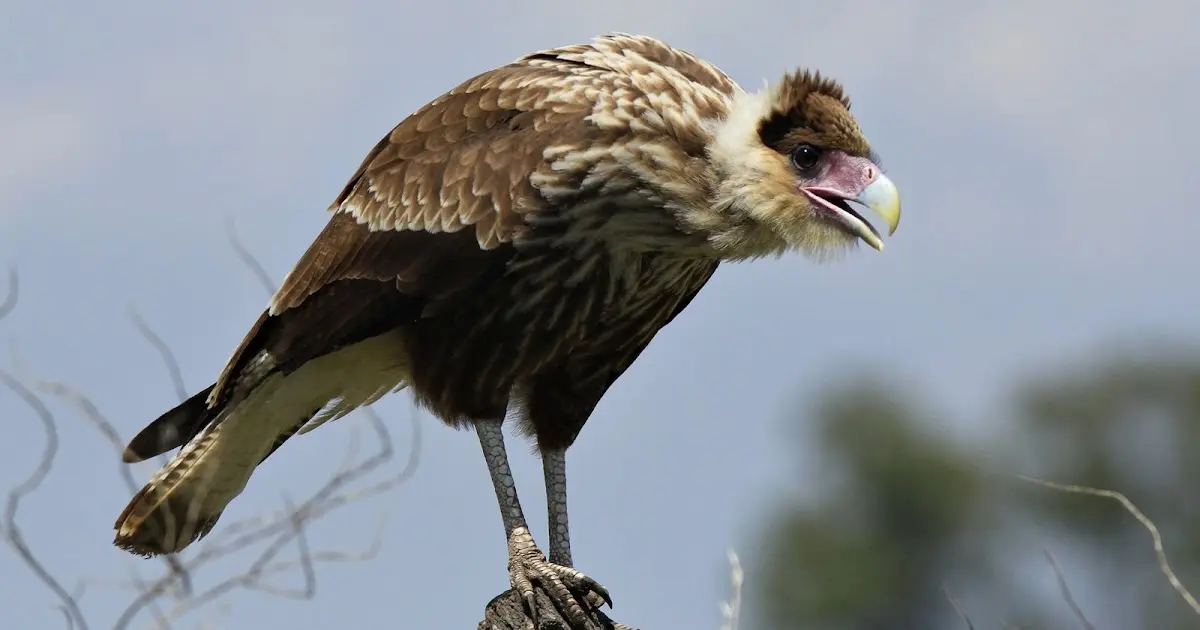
{"points": [[554, 464], [526, 563]]}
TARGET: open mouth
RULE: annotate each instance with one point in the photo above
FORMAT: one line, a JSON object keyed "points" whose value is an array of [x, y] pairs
{"points": [[836, 206]]}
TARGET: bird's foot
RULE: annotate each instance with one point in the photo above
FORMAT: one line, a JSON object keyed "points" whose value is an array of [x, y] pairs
{"points": [[527, 564]]}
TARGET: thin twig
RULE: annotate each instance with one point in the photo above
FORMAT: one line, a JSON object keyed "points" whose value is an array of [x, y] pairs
{"points": [[1163, 564], [239, 535], [164, 351], [1066, 591], [12, 531], [305, 563], [251, 531], [250, 578], [255, 267], [98, 420], [81, 401], [280, 530], [78, 591], [333, 557], [957, 607], [10, 299], [160, 620], [67, 616]]}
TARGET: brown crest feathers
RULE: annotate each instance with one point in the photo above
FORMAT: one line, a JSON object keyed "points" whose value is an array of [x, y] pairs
{"points": [[797, 85], [810, 108]]}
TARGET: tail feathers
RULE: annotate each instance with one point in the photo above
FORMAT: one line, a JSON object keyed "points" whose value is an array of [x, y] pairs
{"points": [[184, 499], [157, 522], [171, 430], [222, 446]]}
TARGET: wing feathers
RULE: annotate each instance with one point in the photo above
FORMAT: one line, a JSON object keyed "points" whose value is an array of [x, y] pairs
{"points": [[397, 246], [463, 161]]}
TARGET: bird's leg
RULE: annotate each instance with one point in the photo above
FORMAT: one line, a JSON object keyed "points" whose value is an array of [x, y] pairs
{"points": [[554, 464], [526, 563]]}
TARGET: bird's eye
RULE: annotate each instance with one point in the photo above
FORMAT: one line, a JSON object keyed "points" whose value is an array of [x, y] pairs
{"points": [[805, 156]]}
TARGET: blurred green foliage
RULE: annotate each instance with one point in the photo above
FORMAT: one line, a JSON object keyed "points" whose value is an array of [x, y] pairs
{"points": [[904, 511]]}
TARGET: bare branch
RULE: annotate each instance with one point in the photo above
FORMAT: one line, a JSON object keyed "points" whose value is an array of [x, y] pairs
{"points": [[160, 619], [85, 406], [282, 528], [289, 523], [278, 530], [164, 351], [332, 557], [251, 578], [66, 616], [92, 413], [1066, 591], [244, 254], [957, 607], [305, 563], [12, 532], [78, 591], [1163, 564], [10, 299]]}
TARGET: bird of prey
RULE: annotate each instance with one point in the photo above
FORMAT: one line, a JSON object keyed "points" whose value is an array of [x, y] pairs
{"points": [[513, 246]]}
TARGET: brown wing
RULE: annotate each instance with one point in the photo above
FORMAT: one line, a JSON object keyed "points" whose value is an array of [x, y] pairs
{"points": [[429, 216]]}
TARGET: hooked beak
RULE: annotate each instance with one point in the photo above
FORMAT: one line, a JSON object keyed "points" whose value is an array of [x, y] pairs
{"points": [[879, 194]]}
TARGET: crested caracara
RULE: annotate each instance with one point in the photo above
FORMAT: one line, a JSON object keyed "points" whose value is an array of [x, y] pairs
{"points": [[514, 245]]}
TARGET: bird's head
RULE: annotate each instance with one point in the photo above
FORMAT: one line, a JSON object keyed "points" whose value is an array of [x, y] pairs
{"points": [[788, 163]]}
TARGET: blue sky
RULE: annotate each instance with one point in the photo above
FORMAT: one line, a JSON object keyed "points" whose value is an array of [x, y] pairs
{"points": [[1045, 153]]}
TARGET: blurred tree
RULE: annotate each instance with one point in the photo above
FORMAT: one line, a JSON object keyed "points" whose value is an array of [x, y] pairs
{"points": [[903, 510]]}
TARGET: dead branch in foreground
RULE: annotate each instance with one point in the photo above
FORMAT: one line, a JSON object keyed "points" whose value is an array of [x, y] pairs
{"points": [[1160, 554], [273, 543]]}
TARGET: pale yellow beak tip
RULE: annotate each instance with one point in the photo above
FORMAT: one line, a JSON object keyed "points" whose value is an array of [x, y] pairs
{"points": [[883, 197]]}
